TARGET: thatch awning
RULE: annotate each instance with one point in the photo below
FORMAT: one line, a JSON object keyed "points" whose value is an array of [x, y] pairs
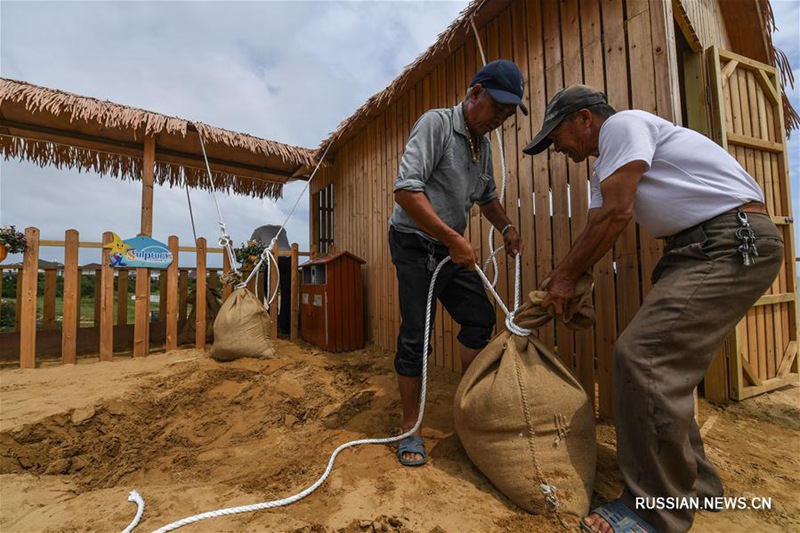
{"points": [[753, 38], [52, 127]]}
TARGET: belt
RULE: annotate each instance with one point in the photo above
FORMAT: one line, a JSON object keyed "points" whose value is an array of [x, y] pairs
{"points": [[749, 207], [694, 233]]}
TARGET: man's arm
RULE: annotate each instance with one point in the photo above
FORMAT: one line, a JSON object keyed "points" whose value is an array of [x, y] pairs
{"points": [[419, 208], [603, 227], [495, 214]]}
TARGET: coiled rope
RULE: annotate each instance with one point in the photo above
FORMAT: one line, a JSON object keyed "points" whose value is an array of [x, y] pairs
{"points": [[422, 399]]}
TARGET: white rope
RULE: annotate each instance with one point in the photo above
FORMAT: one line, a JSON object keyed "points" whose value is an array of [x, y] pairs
{"points": [[137, 499], [316, 484], [492, 258], [267, 254], [224, 239]]}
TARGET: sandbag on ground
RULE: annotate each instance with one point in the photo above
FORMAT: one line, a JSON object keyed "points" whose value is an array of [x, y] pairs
{"points": [[242, 329], [526, 422]]}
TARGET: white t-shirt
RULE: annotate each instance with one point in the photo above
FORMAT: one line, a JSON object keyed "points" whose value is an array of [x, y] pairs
{"points": [[689, 178]]}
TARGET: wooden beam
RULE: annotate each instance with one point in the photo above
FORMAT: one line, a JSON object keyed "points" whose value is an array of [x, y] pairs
{"points": [[770, 299], [106, 298], [148, 173], [295, 302], [788, 359], [749, 373], [27, 309], [752, 142], [69, 323], [172, 296], [768, 385], [200, 296]]}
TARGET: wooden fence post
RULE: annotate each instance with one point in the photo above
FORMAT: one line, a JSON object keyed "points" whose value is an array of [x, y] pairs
{"points": [[49, 301], [106, 298], [172, 295], [162, 292], [141, 321], [200, 296], [122, 297], [295, 301], [71, 308], [96, 295], [183, 295], [273, 285], [30, 274], [18, 318]]}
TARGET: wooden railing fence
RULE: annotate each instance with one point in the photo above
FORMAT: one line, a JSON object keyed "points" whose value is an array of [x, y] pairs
{"points": [[94, 314]]}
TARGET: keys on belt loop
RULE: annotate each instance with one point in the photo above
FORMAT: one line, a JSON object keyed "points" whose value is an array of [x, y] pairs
{"points": [[431, 262], [747, 238]]}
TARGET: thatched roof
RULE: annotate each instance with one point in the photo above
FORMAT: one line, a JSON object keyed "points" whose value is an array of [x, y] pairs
{"points": [[754, 40], [52, 127]]}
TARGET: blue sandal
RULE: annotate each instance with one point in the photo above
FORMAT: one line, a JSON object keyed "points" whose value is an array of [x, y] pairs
{"points": [[412, 445], [621, 519]]}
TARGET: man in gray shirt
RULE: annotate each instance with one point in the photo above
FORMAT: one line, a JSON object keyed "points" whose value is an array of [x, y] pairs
{"points": [[446, 168]]}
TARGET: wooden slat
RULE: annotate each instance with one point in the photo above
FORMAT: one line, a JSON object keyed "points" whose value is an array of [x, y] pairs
{"points": [[106, 299], [49, 302], [750, 373], [770, 299], [200, 296], [273, 285], [227, 289], [27, 309], [97, 282], [171, 317], [183, 295], [69, 323], [162, 295], [295, 301], [752, 142], [122, 297], [141, 320], [788, 358]]}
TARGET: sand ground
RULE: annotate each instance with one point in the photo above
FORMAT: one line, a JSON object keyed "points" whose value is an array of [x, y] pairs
{"points": [[193, 435]]}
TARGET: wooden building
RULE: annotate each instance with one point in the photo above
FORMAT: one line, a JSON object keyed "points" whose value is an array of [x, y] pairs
{"points": [[706, 64]]}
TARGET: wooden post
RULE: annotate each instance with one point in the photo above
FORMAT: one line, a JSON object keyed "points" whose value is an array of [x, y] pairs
{"points": [[162, 293], [273, 285], [141, 320], [122, 297], [69, 324], [172, 296], [49, 302], [18, 317], [313, 251], [106, 299], [200, 300], [226, 268], [96, 296], [295, 301], [30, 273], [148, 172]]}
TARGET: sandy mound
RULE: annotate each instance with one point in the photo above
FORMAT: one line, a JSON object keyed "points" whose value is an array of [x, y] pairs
{"points": [[193, 435]]}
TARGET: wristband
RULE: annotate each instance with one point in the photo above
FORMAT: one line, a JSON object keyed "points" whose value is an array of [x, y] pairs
{"points": [[506, 228]]}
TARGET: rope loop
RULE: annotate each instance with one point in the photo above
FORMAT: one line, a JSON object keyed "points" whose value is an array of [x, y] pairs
{"points": [[224, 240]]}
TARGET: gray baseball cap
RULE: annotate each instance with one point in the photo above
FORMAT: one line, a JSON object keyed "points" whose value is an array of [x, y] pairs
{"points": [[566, 101]]}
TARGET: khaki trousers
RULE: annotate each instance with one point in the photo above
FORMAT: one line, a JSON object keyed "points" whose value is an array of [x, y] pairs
{"points": [[701, 291]]}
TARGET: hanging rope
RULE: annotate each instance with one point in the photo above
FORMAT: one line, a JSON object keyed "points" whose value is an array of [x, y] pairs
{"points": [[189, 200], [267, 254], [492, 258]]}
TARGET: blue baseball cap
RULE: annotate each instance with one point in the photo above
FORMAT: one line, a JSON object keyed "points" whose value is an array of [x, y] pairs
{"points": [[503, 80]]}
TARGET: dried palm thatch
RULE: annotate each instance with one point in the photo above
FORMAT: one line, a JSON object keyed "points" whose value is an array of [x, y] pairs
{"points": [[65, 130], [781, 62]]}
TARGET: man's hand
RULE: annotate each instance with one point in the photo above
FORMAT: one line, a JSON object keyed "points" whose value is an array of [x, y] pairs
{"points": [[560, 290], [462, 252], [512, 242]]}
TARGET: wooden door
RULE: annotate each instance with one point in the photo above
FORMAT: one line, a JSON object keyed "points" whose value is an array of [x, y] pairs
{"points": [[748, 122]]}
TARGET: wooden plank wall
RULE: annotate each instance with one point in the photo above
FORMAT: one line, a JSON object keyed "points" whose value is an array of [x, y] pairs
{"points": [[705, 16], [555, 44]]}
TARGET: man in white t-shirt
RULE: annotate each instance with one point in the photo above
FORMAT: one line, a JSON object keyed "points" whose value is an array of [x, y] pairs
{"points": [[722, 252]]}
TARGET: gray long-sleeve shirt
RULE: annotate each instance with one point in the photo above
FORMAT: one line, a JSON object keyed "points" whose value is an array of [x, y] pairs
{"points": [[437, 162]]}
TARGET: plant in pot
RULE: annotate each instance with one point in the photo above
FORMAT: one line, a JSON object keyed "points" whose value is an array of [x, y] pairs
{"points": [[11, 242], [248, 254]]}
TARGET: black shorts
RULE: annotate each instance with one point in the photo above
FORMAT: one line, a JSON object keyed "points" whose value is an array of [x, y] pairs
{"points": [[459, 289]]}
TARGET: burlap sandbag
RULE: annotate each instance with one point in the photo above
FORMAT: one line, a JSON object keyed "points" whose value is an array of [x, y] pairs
{"points": [[525, 420], [188, 332], [242, 329]]}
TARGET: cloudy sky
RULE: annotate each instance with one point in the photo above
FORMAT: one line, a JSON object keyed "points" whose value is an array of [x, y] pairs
{"points": [[288, 71]]}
